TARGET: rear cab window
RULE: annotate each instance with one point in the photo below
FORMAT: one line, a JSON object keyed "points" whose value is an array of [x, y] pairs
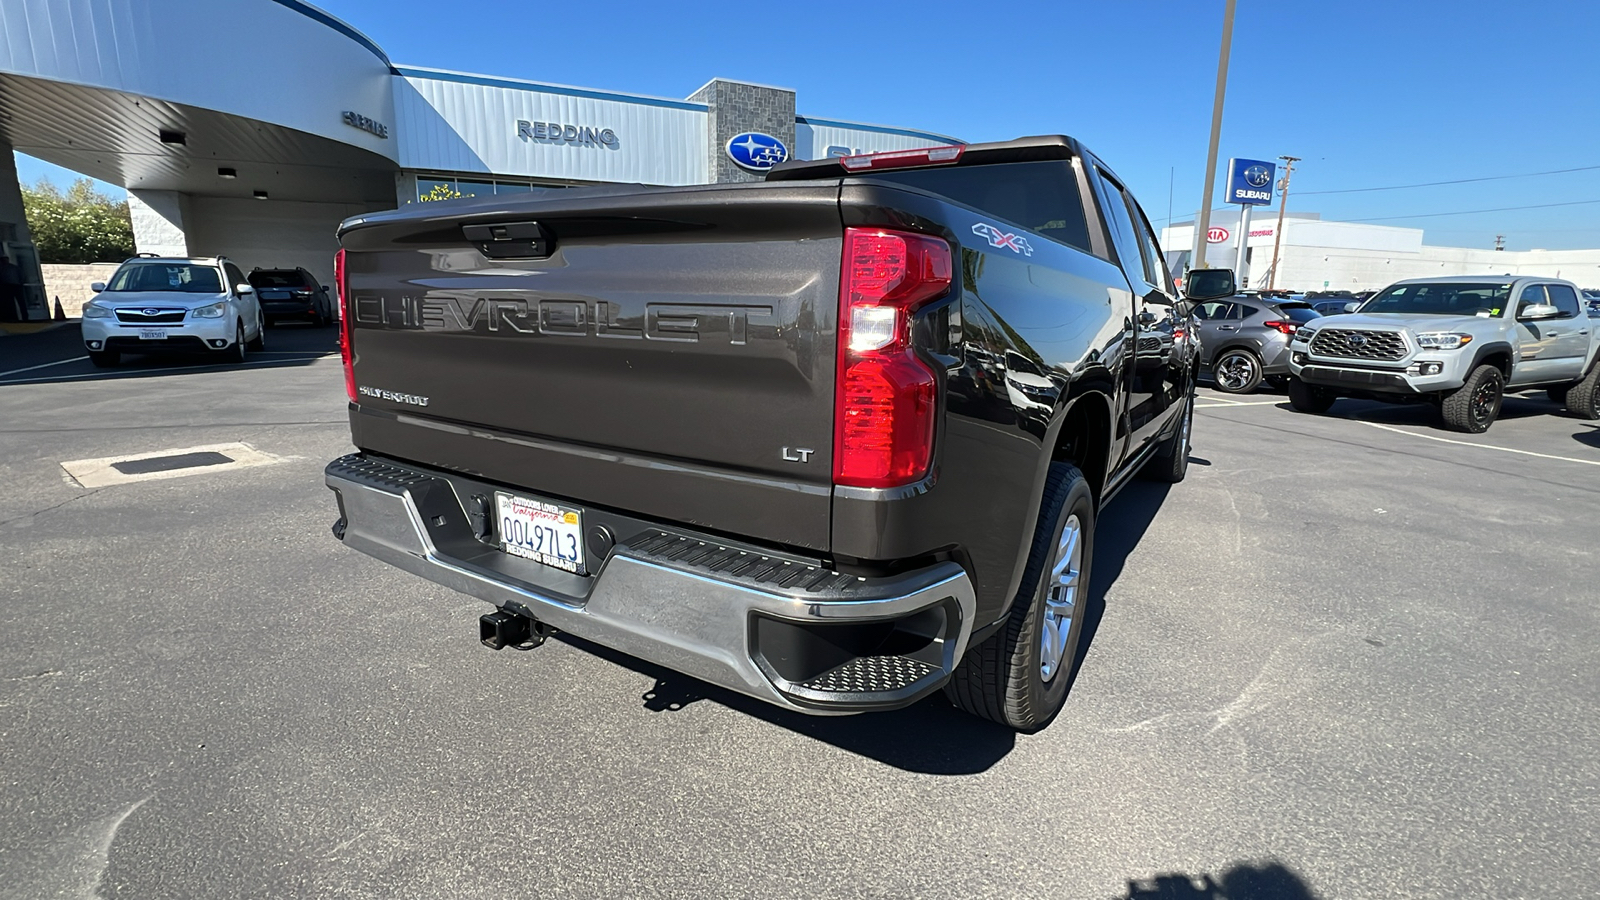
{"points": [[1039, 196]]}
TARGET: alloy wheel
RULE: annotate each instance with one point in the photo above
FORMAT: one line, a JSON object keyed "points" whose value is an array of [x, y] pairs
{"points": [[1061, 599]]}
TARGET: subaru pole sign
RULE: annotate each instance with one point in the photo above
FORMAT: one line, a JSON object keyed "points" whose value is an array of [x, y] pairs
{"points": [[1250, 181], [756, 151]]}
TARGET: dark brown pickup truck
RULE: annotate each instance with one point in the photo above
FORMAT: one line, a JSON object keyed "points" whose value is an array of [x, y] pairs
{"points": [[835, 440]]}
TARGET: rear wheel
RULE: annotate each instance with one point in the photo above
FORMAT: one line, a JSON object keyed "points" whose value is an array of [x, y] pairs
{"points": [[1171, 461], [105, 359], [1474, 406], [1236, 371], [1583, 398], [1308, 399], [1019, 676]]}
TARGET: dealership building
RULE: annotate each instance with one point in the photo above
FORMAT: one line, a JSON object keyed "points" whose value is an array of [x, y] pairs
{"points": [[1316, 254], [256, 151]]}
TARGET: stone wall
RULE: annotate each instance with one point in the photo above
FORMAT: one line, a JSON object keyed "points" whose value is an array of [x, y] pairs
{"points": [[71, 283], [737, 107]]}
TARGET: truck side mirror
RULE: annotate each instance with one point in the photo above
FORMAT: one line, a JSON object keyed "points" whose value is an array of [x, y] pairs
{"points": [[98, 286], [1352, 306], [1534, 311], [1209, 284]]}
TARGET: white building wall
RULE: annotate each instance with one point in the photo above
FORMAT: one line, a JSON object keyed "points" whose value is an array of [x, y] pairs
{"points": [[158, 222], [269, 234], [449, 122], [1319, 254], [814, 137]]}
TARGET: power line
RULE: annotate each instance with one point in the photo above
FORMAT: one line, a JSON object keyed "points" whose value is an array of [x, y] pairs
{"points": [[1468, 212], [1400, 187]]}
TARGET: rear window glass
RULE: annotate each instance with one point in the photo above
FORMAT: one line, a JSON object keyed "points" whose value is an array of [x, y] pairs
{"points": [[1040, 196], [271, 279], [1301, 313], [181, 278]]}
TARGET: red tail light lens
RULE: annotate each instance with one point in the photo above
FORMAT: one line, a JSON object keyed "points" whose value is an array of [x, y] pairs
{"points": [[887, 397], [340, 283], [1285, 327]]}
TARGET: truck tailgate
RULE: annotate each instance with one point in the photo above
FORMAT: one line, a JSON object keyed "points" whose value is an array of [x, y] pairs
{"points": [[658, 361]]}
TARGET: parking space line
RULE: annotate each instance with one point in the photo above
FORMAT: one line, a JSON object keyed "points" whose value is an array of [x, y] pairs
{"points": [[1229, 404], [59, 362], [1430, 437]]}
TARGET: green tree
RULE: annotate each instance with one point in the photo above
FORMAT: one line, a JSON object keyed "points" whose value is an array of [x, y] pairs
{"points": [[80, 226]]}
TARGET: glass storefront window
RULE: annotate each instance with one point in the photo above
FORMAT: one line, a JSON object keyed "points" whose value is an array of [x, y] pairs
{"points": [[501, 187], [475, 188], [429, 189]]}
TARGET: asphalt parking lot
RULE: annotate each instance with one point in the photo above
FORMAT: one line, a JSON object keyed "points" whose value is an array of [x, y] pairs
{"points": [[1351, 656]]}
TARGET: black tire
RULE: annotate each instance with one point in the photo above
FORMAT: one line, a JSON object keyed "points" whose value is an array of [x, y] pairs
{"points": [[1308, 399], [1171, 460], [323, 319], [1583, 398], [1001, 678], [260, 342], [1473, 407], [235, 351], [1236, 371], [1558, 395], [105, 359]]}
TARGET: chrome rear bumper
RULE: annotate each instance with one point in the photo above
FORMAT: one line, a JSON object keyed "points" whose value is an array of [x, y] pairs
{"points": [[776, 627]]}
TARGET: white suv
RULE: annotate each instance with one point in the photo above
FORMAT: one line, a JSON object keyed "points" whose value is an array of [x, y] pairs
{"points": [[173, 304]]}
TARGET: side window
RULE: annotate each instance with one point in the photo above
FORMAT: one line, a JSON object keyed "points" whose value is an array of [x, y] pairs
{"points": [[1154, 271], [1532, 295], [1216, 309], [1242, 312], [235, 277], [1122, 233], [1564, 298]]}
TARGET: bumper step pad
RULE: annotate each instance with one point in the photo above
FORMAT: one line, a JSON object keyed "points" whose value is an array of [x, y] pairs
{"points": [[871, 674]]}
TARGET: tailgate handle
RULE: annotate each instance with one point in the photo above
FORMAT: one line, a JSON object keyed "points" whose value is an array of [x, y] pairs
{"points": [[511, 240]]}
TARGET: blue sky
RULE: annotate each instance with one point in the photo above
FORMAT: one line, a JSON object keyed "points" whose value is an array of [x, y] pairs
{"points": [[1370, 94]]}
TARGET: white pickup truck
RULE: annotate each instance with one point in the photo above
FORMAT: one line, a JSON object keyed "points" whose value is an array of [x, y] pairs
{"points": [[1459, 342]]}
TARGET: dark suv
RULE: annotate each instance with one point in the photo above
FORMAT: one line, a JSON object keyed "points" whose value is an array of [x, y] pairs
{"points": [[292, 294], [1245, 340]]}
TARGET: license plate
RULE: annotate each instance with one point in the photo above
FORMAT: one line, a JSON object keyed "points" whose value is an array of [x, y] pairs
{"points": [[542, 532], [152, 334]]}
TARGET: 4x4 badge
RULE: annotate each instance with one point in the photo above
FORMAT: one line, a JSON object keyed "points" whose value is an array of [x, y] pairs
{"points": [[1016, 243]]}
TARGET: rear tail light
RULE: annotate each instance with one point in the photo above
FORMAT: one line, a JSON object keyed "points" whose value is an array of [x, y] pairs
{"points": [[887, 397], [341, 283], [902, 159], [1285, 327]]}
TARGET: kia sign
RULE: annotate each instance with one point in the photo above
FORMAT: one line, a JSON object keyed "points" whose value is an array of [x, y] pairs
{"points": [[1217, 235], [1250, 182]]}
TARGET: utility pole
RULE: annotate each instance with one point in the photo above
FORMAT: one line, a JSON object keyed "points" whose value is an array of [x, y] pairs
{"points": [[1202, 225], [1499, 242], [1283, 204]]}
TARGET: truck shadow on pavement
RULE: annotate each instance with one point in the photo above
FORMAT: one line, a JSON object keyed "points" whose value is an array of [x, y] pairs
{"points": [[931, 737], [1242, 881]]}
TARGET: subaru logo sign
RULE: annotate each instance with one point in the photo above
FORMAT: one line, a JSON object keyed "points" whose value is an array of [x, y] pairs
{"points": [[151, 312], [756, 151], [1250, 181]]}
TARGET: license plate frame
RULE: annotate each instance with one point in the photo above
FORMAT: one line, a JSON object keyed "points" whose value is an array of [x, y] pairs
{"points": [[152, 334], [527, 528]]}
